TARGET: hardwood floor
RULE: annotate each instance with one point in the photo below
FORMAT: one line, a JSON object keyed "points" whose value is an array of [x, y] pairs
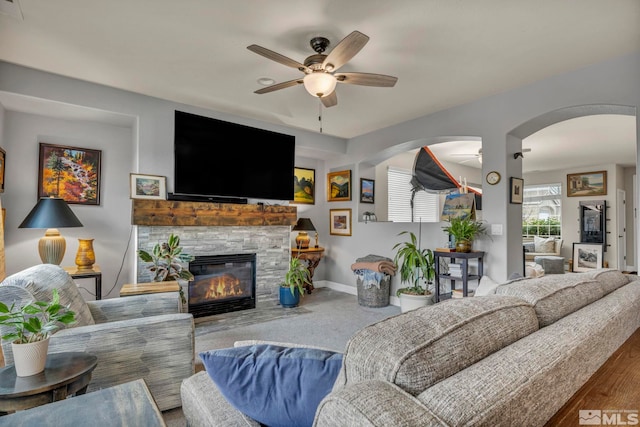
{"points": [[614, 387]]}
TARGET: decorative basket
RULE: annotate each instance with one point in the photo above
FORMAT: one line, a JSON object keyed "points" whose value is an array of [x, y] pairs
{"points": [[374, 296]]}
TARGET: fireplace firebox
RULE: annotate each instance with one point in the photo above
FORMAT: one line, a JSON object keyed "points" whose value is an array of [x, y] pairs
{"points": [[222, 284]]}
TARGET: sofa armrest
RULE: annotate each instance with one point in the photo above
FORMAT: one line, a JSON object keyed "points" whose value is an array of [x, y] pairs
{"points": [[114, 309], [158, 349], [373, 403]]}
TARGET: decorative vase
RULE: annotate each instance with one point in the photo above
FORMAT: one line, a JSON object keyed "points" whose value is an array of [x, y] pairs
{"points": [[30, 358], [410, 302], [287, 299], [463, 245], [85, 258]]}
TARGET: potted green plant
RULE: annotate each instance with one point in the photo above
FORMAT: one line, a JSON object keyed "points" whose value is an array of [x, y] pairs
{"points": [[166, 262], [415, 265], [296, 277], [29, 327], [464, 230]]}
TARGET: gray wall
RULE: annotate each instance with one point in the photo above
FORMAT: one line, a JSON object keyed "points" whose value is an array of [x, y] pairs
{"points": [[491, 119]]}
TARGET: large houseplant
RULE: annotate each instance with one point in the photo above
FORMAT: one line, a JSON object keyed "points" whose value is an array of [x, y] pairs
{"points": [[292, 288], [464, 230], [415, 265], [29, 327], [166, 262]]}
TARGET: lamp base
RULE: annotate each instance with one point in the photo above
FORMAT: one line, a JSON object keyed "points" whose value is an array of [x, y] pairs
{"points": [[51, 247], [302, 240]]}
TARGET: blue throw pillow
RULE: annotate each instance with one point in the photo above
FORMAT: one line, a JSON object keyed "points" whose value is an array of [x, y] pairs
{"points": [[274, 385]]}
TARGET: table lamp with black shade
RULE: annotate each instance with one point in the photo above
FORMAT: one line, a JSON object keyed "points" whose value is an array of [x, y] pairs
{"points": [[51, 213], [302, 239]]}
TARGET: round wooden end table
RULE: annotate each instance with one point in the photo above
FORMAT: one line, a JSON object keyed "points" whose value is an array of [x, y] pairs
{"points": [[65, 374]]}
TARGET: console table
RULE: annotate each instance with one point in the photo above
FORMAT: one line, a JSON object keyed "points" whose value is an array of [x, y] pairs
{"points": [[463, 258], [87, 273], [312, 256], [64, 374]]}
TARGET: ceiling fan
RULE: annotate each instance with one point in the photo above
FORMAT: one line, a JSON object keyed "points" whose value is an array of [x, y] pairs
{"points": [[478, 155], [319, 70]]}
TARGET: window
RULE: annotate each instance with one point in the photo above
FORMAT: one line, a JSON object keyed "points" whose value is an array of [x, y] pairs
{"points": [[542, 210], [426, 205]]}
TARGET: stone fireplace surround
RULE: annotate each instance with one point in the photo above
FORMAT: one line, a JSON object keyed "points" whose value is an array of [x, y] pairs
{"points": [[271, 244]]}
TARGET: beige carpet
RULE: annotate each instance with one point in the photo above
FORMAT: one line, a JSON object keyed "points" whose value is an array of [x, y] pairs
{"points": [[325, 318]]}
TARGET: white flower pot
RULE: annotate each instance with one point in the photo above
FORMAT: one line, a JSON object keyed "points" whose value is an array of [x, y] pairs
{"points": [[29, 359], [410, 302]]}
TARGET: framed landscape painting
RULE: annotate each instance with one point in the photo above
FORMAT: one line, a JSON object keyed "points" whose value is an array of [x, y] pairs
{"points": [[339, 186], [71, 173], [367, 190], [587, 184], [340, 222], [304, 185], [150, 187], [587, 256]]}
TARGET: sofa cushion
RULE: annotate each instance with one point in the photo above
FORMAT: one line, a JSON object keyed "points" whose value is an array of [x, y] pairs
{"points": [[555, 296], [41, 279], [544, 245], [274, 385], [609, 279], [417, 349]]}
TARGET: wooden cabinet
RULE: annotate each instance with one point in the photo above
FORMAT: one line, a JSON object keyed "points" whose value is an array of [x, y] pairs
{"points": [[462, 260]]}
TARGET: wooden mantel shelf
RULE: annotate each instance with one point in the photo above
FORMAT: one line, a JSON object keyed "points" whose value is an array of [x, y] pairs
{"points": [[171, 212]]}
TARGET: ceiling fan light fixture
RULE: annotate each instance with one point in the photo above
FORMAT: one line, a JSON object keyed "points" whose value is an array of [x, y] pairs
{"points": [[319, 83]]}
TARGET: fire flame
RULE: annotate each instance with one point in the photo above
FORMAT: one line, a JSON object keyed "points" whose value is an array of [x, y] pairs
{"points": [[223, 286]]}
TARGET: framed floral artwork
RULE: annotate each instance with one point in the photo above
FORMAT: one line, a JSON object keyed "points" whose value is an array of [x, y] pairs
{"points": [[304, 184], [340, 222], [149, 187], [71, 173], [339, 186]]}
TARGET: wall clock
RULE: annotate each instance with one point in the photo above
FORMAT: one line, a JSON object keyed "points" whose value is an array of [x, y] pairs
{"points": [[493, 177]]}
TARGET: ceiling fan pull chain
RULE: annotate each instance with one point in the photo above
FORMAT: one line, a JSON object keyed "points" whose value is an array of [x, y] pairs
{"points": [[320, 113]]}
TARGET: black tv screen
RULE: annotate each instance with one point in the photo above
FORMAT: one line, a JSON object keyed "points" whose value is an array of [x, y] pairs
{"points": [[219, 158]]}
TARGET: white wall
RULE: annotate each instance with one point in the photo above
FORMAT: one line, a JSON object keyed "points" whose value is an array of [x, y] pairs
{"points": [[107, 223]]}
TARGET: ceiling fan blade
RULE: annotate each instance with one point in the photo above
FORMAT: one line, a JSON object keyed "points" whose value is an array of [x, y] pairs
{"points": [[345, 50], [278, 86], [367, 79], [330, 100], [274, 56]]}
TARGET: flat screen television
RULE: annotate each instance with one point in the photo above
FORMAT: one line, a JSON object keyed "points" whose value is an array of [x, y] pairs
{"points": [[217, 159]]}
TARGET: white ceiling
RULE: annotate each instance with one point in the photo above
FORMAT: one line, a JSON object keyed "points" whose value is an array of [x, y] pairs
{"points": [[444, 53]]}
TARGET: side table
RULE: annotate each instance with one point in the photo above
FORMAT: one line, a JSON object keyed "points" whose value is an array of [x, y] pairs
{"points": [[65, 374], [312, 256], [464, 277], [149, 288], [87, 273]]}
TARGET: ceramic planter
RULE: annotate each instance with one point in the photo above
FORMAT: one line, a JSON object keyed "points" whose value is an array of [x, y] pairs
{"points": [[287, 299], [29, 359], [410, 302]]}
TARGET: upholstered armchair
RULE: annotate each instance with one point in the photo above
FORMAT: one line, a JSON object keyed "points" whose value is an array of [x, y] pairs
{"points": [[142, 336]]}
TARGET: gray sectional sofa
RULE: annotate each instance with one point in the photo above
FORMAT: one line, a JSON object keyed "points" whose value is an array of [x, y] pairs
{"points": [[510, 358]]}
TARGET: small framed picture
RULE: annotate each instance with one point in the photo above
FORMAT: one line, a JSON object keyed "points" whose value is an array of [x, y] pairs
{"points": [[71, 173], [150, 187], [340, 222], [3, 159], [517, 190], [339, 186], [587, 184], [587, 256], [304, 184], [367, 190]]}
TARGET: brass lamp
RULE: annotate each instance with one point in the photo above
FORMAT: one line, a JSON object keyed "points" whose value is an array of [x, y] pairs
{"points": [[51, 213], [302, 239]]}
